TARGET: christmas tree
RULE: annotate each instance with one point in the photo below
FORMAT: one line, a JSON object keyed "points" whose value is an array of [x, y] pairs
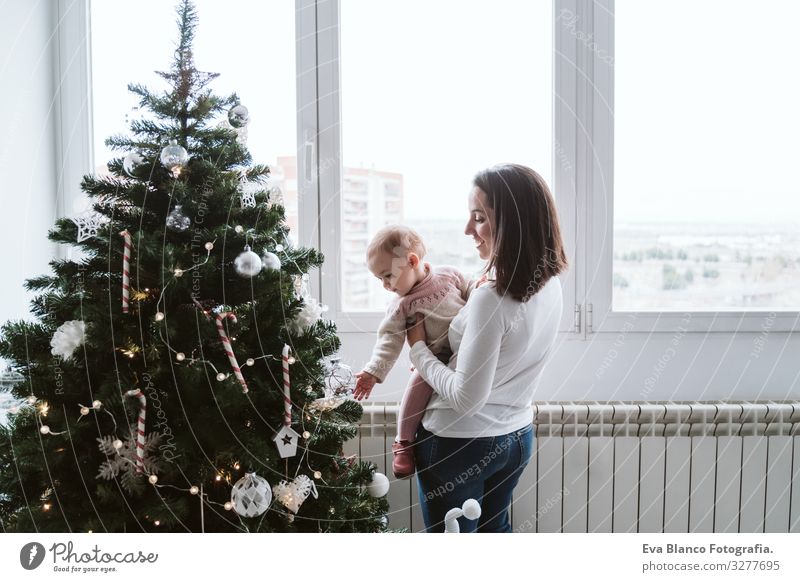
{"points": [[178, 376]]}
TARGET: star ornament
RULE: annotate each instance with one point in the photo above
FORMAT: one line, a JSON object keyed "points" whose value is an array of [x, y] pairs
{"points": [[88, 224], [286, 440]]}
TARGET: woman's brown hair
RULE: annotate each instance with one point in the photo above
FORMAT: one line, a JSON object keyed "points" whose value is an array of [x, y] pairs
{"points": [[528, 249]]}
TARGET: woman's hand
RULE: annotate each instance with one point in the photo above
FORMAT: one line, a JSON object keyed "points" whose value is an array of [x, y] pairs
{"points": [[416, 331]]}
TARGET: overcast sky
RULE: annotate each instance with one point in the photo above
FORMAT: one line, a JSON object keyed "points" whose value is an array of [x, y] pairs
{"points": [[706, 121]]}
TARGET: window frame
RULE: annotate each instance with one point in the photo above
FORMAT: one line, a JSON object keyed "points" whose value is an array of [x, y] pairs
{"points": [[600, 224], [565, 130]]}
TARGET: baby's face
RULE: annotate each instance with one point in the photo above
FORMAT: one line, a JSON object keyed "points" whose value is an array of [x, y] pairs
{"points": [[396, 273]]}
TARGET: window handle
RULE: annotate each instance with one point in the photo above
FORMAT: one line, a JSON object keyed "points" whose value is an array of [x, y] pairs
{"points": [[309, 159]]}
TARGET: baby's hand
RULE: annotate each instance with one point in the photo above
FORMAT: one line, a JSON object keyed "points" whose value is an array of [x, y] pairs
{"points": [[364, 385]]}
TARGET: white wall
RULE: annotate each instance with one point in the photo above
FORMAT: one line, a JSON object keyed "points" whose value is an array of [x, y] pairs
{"points": [[640, 366], [27, 148]]}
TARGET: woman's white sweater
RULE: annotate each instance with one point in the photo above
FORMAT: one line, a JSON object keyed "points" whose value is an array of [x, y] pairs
{"points": [[500, 347]]}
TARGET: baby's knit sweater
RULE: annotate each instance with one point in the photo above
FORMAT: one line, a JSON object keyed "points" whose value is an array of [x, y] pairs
{"points": [[439, 297]]}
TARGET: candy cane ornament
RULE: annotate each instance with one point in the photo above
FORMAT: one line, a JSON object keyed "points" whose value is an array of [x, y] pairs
{"points": [[139, 427], [226, 344], [126, 271], [287, 439]]}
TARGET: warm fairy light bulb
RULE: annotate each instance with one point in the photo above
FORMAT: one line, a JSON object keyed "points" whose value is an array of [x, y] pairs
{"points": [[194, 490], [159, 316], [221, 376], [279, 247], [89, 531], [46, 506], [317, 475], [84, 410], [156, 523], [237, 466], [153, 479], [209, 246], [218, 477], [96, 404], [45, 429], [306, 434], [239, 228], [228, 506], [31, 399], [180, 356], [44, 408], [250, 361], [178, 272], [117, 444], [292, 360]]}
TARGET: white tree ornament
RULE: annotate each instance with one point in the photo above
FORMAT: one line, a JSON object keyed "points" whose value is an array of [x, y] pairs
{"points": [[308, 315], [251, 495], [286, 440], [88, 224], [68, 338], [293, 493]]}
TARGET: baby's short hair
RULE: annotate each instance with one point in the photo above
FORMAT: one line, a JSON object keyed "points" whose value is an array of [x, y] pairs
{"points": [[396, 240]]}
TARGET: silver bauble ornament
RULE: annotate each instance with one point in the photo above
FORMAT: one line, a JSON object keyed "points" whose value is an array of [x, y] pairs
{"points": [[251, 495], [177, 220], [132, 161], [271, 261], [339, 379], [248, 263], [238, 116], [174, 157]]}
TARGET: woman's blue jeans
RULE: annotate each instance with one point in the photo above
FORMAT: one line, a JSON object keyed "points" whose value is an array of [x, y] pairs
{"points": [[452, 470]]}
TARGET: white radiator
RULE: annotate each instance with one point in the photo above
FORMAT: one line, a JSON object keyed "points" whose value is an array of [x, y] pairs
{"points": [[636, 467]]}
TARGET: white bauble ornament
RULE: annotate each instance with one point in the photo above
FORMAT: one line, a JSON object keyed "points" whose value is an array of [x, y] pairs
{"points": [[271, 261], [238, 116], [248, 263], [174, 157], [251, 495], [177, 220], [379, 486], [68, 337], [132, 161]]}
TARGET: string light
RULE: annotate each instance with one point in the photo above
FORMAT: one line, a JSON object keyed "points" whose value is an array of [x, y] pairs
{"points": [[153, 479], [317, 475], [194, 490], [157, 523], [306, 434], [45, 429], [46, 506], [84, 410], [236, 466], [31, 399], [209, 246], [279, 247], [180, 356], [292, 360], [221, 376], [159, 316], [178, 272], [44, 408], [97, 404], [117, 444], [250, 361], [228, 506], [218, 477], [239, 229]]}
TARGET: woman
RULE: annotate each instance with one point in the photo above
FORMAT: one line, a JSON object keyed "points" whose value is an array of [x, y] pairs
{"points": [[477, 434]]}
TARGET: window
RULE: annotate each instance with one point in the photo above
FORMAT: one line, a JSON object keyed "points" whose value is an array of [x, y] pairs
{"points": [[231, 36], [421, 115], [706, 200]]}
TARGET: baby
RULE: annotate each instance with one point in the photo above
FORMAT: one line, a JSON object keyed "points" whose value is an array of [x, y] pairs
{"points": [[395, 257]]}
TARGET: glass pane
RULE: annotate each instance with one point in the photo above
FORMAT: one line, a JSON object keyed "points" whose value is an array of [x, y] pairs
{"points": [[433, 92], [251, 45], [706, 197]]}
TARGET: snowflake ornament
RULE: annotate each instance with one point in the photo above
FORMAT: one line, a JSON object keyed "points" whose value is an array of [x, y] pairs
{"points": [[121, 460], [88, 224]]}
